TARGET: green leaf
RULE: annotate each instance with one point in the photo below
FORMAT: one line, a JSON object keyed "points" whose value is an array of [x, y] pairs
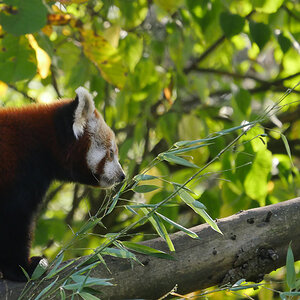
{"points": [[132, 49], [56, 271], [290, 268], [231, 24], [59, 260], [147, 250], [287, 147], [88, 296], [45, 290], [159, 227], [89, 225], [190, 201], [142, 177], [17, 59], [284, 42], [121, 253], [133, 12], [188, 143], [62, 294], [243, 101], [260, 33], [116, 198], [198, 204], [178, 226], [177, 160], [90, 266], [40, 269], [257, 178], [25, 273], [145, 188], [84, 281], [27, 16], [176, 151]]}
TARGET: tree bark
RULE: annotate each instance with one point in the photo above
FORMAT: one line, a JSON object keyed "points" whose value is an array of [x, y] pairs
{"points": [[254, 242]]}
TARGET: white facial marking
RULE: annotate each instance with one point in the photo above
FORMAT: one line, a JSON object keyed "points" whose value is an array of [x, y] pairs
{"points": [[94, 155]]}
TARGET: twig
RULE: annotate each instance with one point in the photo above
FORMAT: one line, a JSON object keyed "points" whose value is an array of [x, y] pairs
{"points": [[291, 13], [217, 43], [25, 95]]}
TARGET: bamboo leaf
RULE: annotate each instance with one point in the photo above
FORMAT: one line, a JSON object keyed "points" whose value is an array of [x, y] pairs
{"points": [[190, 201], [145, 188], [40, 269], [88, 296], [177, 160], [45, 290], [178, 226], [115, 199], [147, 250], [160, 228], [143, 177], [176, 151], [290, 268], [90, 281], [58, 262], [287, 147]]}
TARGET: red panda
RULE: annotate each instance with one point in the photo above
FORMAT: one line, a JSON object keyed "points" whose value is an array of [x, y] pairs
{"points": [[67, 140]]}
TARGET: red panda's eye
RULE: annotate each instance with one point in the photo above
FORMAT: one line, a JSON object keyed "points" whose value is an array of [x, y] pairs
{"points": [[111, 153]]}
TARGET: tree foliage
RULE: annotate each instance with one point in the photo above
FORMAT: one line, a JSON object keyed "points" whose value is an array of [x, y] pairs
{"points": [[163, 72]]}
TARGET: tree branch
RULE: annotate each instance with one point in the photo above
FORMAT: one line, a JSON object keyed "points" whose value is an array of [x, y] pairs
{"points": [[254, 242]]}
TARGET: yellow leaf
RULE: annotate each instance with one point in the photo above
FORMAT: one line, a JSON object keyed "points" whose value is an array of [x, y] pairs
{"points": [[107, 58], [3, 88], [112, 35], [42, 57]]}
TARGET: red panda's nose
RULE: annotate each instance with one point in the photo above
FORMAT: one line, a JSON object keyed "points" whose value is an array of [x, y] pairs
{"points": [[122, 177]]}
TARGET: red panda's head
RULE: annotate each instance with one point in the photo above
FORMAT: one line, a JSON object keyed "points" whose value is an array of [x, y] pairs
{"points": [[102, 153]]}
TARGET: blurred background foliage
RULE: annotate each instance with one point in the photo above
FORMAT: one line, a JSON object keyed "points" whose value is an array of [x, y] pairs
{"points": [[162, 72]]}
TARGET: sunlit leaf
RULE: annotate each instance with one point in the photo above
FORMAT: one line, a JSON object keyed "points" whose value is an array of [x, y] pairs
{"points": [[43, 59], [107, 58], [169, 5], [256, 180], [267, 6]]}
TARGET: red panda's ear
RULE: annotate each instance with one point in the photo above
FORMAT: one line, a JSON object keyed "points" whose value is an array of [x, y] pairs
{"points": [[83, 112]]}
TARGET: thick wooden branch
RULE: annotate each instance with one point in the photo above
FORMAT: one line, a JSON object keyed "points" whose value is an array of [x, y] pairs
{"points": [[254, 242]]}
